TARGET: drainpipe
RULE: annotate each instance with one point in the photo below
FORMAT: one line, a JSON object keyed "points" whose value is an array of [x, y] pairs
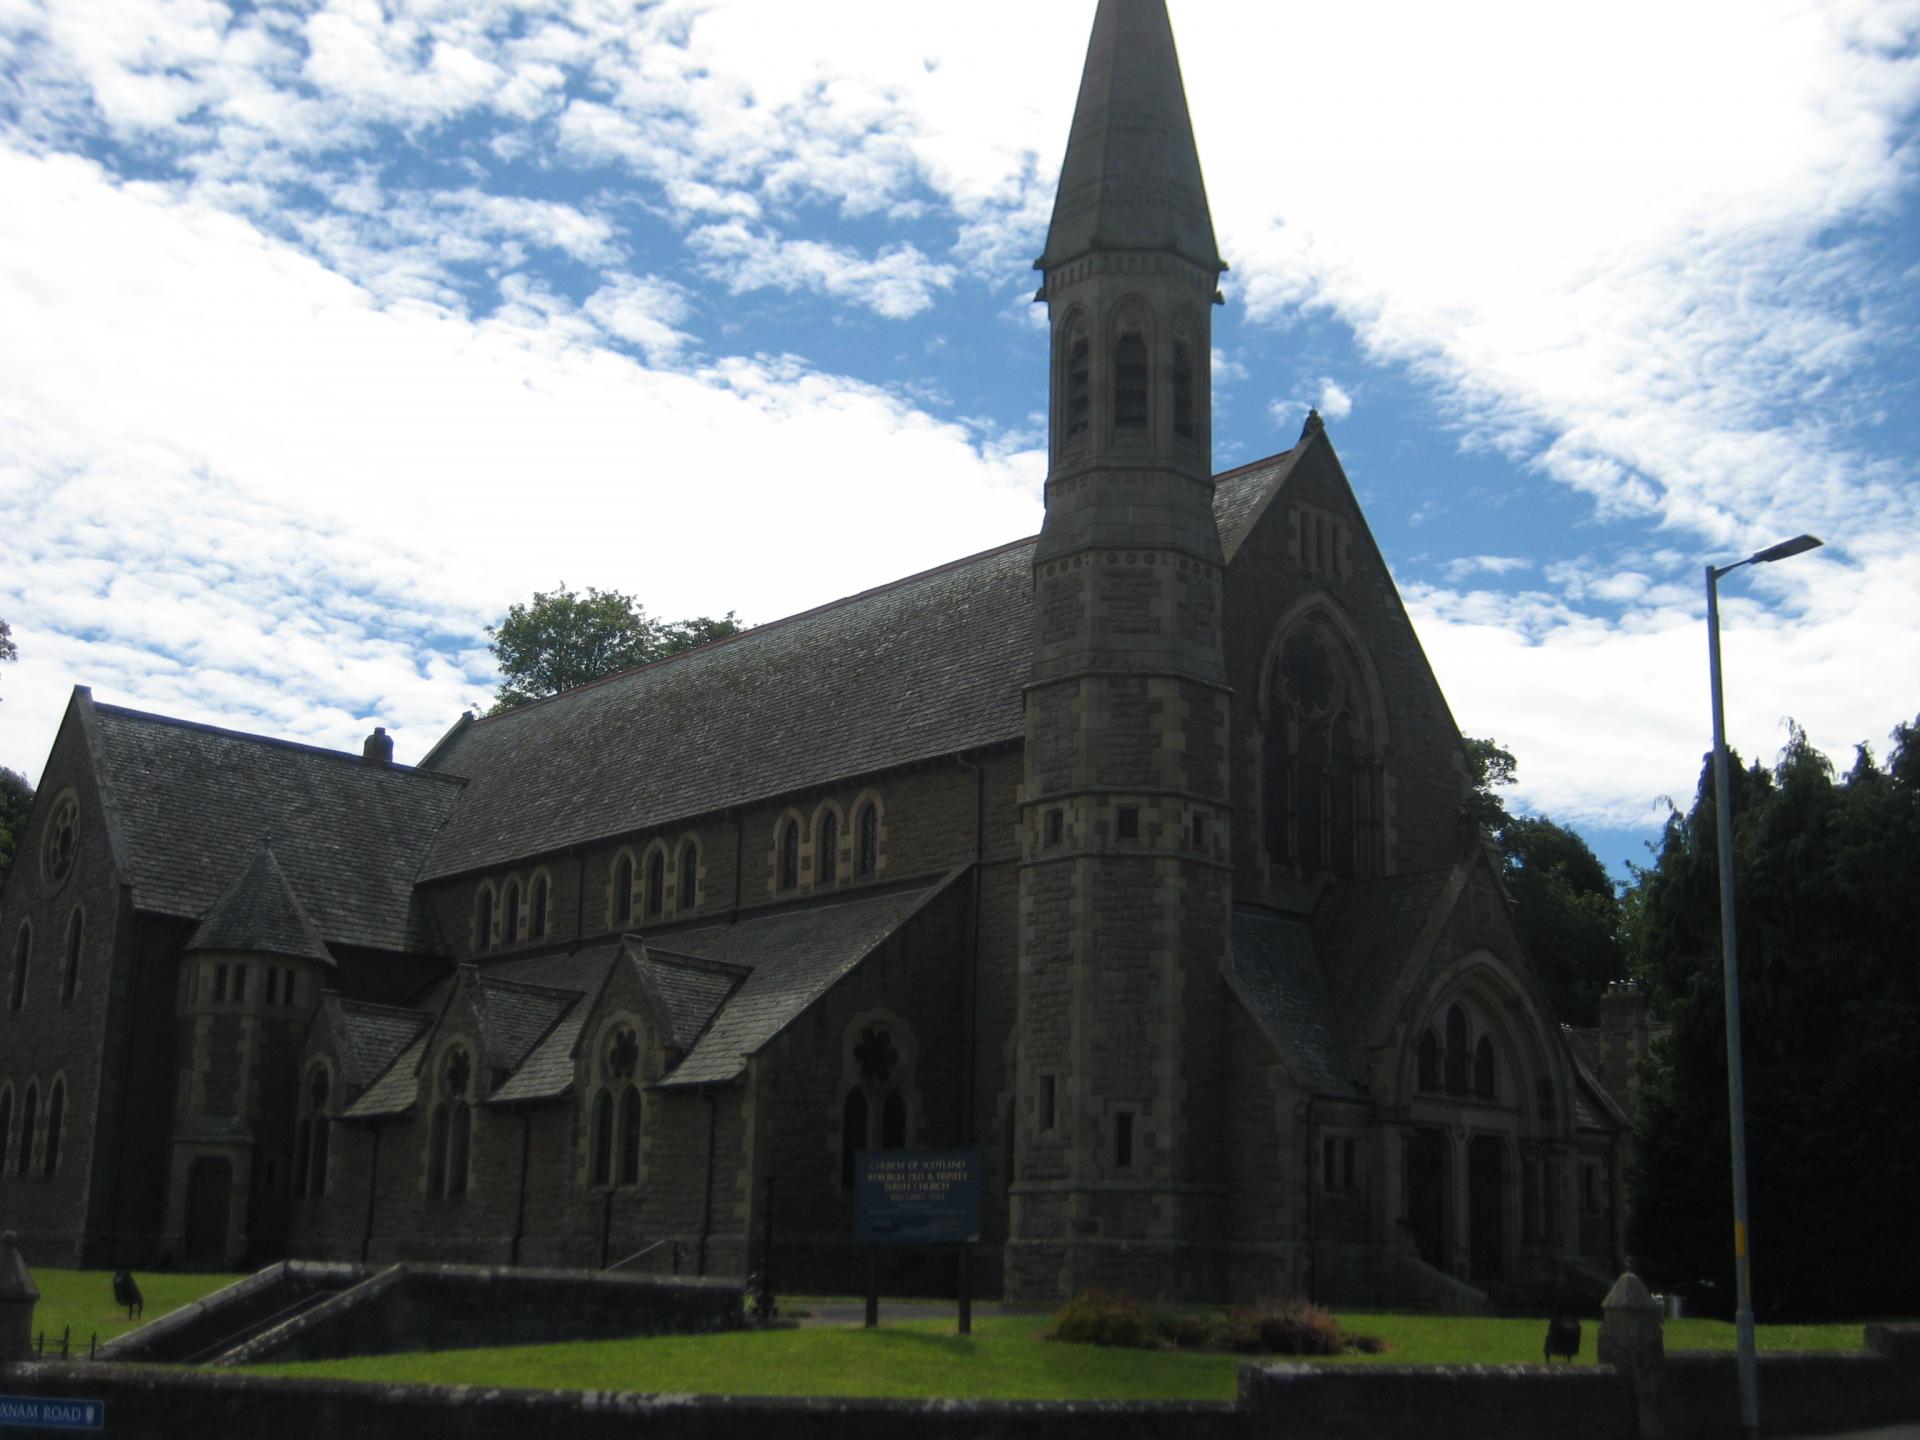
{"points": [[373, 1174], [520, 1211], [706, 1205]]}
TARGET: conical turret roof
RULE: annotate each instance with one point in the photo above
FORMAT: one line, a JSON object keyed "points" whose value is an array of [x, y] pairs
{"points": [[1131, 178], [260, 913]]}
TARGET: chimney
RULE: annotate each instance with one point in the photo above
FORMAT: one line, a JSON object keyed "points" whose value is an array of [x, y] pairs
{"points": [[379, 747]]}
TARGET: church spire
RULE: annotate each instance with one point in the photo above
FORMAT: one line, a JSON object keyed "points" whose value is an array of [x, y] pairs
{"points": [[1131, 177]]}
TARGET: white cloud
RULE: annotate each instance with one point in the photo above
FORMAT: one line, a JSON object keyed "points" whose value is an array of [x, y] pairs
{"points": [[1470, 565], [1334, 403], [896, 283]]}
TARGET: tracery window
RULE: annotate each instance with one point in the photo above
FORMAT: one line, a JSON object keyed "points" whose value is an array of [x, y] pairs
{"points": [[450, 1133], [873, 1115], [313, 1136], [615, 1132], [1322, 779], [62, 842]]}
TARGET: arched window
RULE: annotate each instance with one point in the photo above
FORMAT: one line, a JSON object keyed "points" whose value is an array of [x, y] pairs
{"points": [[826, 851], [1183, 411], [29, 1122], [1319, 779], [623, 890], [790, 855], [22, 947], [1130, 383], [1429, 1061], [688, 897], [312, 1166], [1078, 383], [629, 1173], [1485, 1081], [450, 1137], [6, 1125], [867, 852], [537, 915], [602, 1167], [853, 1133], [70, 974], [656, 884], [56, 1112], [510, 914], [1457, 1052], [483, 918], [893, 1121]]}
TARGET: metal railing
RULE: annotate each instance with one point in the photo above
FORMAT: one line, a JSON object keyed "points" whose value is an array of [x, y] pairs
{"points": [[679, 1249]]}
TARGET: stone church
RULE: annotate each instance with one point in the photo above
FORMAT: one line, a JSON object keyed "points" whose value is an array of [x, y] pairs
{"points": [[1132, 853]]}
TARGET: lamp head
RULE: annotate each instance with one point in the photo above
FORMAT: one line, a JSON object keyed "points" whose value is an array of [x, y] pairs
{"points": [[1799, 545]]}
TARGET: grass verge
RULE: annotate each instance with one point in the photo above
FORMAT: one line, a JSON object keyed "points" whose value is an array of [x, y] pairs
{"points": [[83, 1299], [1006, 1358]]}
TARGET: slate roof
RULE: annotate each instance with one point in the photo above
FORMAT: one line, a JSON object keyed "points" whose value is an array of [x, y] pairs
{"points": [[1278, 977], [368, 1037], [192, 801], [921, 668], [1365, 932], [398, 1087], [795, 956], [692, 992], [260, 913], [514, 1017], [1240, 496]]}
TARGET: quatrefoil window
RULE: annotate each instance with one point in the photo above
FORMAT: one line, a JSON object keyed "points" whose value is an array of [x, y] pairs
{"points": [[623, 1054], [876, 1055]]}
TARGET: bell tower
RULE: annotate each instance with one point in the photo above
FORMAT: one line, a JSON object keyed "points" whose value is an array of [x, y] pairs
{"points": [[1125, 888]]}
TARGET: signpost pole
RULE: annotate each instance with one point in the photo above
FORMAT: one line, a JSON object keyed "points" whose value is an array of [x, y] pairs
{"points": [[873, 1286], [966, 1288]]}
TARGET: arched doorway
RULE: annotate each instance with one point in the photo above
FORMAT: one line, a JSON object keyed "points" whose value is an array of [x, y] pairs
{"points": [[1426, 1194], [1486, 1176], [209, 1198]]}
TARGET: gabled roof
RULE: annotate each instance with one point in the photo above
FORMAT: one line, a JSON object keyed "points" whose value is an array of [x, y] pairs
{"points": [[794, 957], [367, 1038], [1131, 176], [1274, 971], [1366, 933], [260, 913], [513, 1017], [925, 667], [191, 803]]}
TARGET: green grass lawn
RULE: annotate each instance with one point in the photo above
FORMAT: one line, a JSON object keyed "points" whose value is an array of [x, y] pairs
{"points": [[83, 1299], [1005, 1358]]}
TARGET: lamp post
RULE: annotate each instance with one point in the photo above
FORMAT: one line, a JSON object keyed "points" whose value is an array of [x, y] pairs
{"points": [[1730, 967]]}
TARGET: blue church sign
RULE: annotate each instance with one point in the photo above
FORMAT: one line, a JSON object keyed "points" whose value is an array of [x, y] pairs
{"points": [[917, 1197]]}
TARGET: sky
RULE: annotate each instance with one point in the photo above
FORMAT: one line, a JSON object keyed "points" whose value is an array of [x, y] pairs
{"points": [[330, 329]]}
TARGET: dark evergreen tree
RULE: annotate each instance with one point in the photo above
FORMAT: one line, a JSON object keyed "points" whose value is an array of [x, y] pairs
{"points": [[1830, 1011], [16, 796]]}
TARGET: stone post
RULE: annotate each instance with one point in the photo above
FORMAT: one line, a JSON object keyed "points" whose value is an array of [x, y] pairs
{"points": [[18, 1296], [1631, 1342]]}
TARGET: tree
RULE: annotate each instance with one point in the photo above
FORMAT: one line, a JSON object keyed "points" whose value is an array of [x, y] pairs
{"points": [[1830, 1036], [561, 640], [8, 650], [16, 796], [1564, 903]]}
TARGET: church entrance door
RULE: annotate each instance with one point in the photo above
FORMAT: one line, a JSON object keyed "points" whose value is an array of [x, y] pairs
{"points": [[209, 1194], [1486, 1171], [1426, 1185]]}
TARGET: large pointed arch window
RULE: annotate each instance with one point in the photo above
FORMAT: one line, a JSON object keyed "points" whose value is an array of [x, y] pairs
{"points": [[1322, 776]]}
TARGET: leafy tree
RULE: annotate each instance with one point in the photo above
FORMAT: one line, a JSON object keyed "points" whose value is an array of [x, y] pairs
{"points": [[8, 650], [1830, 1037], [1564, 902], [16, 795], [561, 640]]}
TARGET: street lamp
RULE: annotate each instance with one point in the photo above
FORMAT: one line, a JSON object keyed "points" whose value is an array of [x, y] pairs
{"points": [[1729, 961]]}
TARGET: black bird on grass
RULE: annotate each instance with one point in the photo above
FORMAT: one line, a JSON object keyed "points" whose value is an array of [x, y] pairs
{"points": [[126, 1291]]}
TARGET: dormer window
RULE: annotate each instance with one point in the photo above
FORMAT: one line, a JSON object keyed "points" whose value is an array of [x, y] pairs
{"points": [[1130, 383]]}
